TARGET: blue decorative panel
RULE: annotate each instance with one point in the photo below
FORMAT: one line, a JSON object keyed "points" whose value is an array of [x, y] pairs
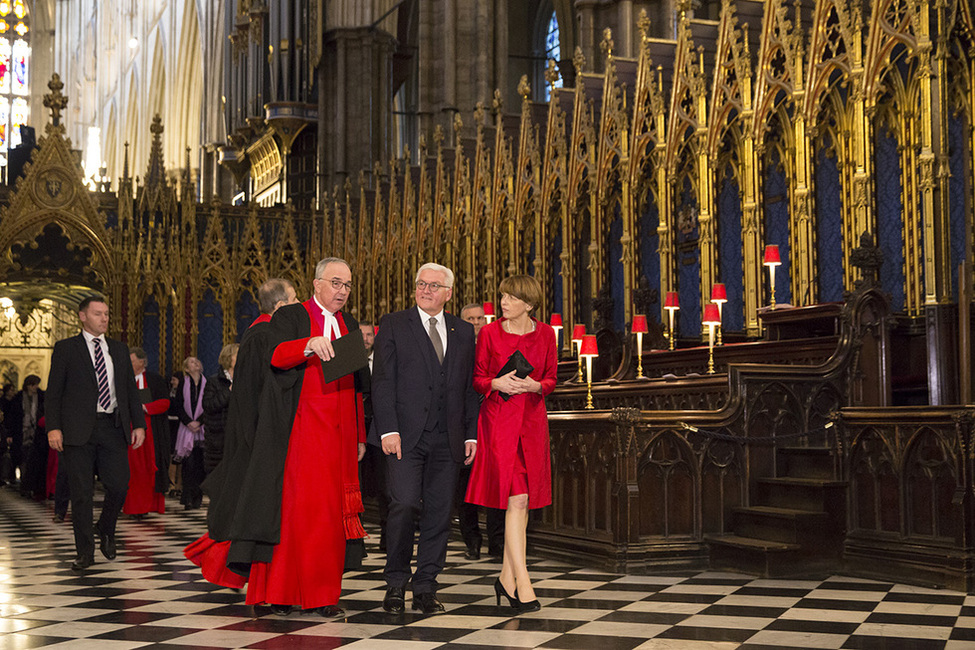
{"points": [[730, 264], [210, 339], [777, 226], [247, 311], [890, 212], [150, 331], [556, 263], [957, 197], [688, 263], [829, 227], [616, 272], [176, 363], [649, 243]]}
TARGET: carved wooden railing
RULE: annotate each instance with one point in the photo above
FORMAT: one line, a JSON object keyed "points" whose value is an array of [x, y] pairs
{"points": [[911, 509], [635, 489]]}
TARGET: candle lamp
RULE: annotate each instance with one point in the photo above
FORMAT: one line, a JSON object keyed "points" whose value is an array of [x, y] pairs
{"points": [[488, 311], [719, 296], [712, 319], [589, 349], [772, 260], [671, 304], [556, 323], [639, 327], [578, 334]]}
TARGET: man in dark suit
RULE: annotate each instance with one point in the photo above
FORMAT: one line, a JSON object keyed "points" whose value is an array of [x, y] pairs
{"points": [[372, 467], [93, 413], [425, 420]]}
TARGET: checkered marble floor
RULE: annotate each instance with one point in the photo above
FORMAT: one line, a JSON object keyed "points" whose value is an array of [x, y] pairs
{"points": [[150, 596]]}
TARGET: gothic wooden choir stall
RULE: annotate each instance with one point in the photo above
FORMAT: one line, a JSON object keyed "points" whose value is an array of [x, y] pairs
{"points": [[825, 146]]}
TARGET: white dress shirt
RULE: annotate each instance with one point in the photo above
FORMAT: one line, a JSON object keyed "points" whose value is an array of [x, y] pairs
{"points": [[441, 326], [109, 367]]}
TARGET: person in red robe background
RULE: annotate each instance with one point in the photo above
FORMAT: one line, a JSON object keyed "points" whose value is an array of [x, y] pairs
{"points": [[512, 469], [148, 483]]}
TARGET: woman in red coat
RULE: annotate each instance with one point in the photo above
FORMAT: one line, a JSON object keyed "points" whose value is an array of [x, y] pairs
{"points": [[512, 468]]}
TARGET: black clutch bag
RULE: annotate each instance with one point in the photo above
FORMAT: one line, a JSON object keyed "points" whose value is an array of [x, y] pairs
{"points": [[519, 364]]}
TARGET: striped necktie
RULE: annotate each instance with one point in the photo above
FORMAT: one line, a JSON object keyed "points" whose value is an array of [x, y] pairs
{"points": [[101, 373]]}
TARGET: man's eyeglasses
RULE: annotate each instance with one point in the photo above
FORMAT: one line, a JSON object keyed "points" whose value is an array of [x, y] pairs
{"points": [[432, 286], [338, 284]]}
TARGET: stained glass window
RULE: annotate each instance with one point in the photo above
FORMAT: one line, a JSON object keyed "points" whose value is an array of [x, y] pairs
{"points": [[552, 51], [15, 33]]}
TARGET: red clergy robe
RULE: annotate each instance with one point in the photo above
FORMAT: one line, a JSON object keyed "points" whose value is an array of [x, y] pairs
{"points": [[142, 497], [320, 498]]}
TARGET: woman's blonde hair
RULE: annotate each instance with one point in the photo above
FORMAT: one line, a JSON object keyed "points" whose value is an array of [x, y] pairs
{"points": [[226, 357]]}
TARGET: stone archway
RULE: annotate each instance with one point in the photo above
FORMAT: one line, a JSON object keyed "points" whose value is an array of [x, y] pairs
{"points": [[54, 248]]}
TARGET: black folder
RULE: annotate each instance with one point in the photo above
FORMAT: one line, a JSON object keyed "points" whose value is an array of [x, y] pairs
{"points": [[350, 355], [519, 364]]}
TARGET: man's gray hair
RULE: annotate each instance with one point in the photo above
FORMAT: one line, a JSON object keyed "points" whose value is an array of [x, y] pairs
{"points": [[473, 305], [272, 292], [439, 268], [320, 267]]}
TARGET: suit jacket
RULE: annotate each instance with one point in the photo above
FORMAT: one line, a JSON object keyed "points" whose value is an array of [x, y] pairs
{"points": [[159, 390], [16, 415], [404, 372], [72, 390]]}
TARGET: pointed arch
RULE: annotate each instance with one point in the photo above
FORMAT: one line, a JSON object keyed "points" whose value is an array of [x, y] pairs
{"points": [[133, 134], [110, 145], [185, 117]]}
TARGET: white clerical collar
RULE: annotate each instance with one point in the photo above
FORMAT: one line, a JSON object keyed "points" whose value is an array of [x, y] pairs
{"points": [[324, 311]]}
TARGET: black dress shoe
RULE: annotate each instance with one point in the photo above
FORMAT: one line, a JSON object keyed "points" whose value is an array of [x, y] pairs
{"points": [[58, 519], [82, 562], [281, 610], [106, 544], [472, 553], [330, 611], [427, 603], [395, 601]]}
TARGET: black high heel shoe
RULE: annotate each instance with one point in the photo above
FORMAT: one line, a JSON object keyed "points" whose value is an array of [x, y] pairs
{"points": [[531, 606], [500, 591]]}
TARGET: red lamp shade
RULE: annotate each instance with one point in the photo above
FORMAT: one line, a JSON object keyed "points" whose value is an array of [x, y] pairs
{"points": [[556, 320], [772, 255], [639, 324], [488, 309], [578, 332], [589, 348], [711, 314], [672, 301], [719, 293]]}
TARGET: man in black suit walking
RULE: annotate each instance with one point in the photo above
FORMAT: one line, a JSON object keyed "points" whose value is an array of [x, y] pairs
{"points": [[93, 413], [425, 420]]}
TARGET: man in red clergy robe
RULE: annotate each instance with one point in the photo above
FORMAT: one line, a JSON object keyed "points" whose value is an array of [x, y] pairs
{"points": [[300, 498], [148, 478]]}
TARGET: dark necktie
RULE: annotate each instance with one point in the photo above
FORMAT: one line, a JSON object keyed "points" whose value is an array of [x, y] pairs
{"points": [[436, 340], [101, 373]]}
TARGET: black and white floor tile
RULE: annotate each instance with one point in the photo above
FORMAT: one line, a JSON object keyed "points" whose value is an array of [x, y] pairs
{"points": [[150, 596]]}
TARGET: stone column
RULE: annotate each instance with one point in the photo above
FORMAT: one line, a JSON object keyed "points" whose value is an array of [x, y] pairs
{"points": [[354, 105]]}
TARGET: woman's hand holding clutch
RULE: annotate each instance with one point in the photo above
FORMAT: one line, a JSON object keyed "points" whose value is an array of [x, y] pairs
{"points": [[513, 385]]}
